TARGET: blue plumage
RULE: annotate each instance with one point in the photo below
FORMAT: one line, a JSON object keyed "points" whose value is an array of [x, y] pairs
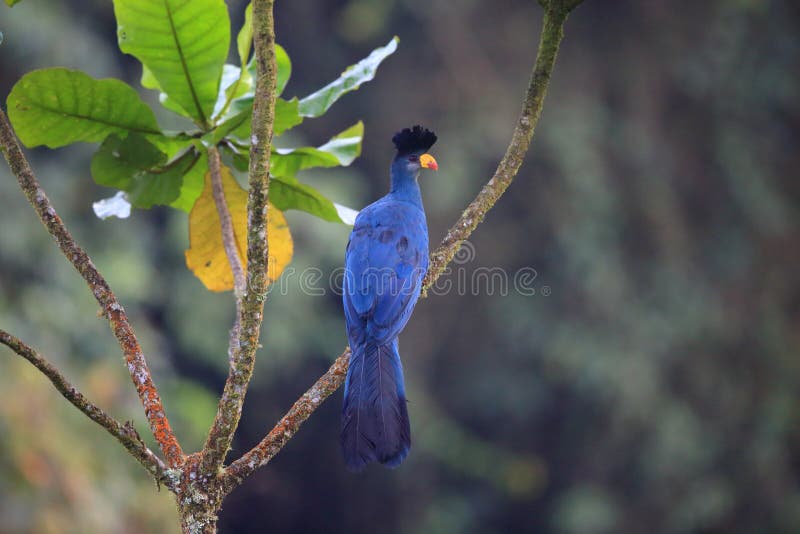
{"points": [[385, 262]]}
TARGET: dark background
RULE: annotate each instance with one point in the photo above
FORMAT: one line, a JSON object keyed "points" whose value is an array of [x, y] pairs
{"points": [[649, 385]]}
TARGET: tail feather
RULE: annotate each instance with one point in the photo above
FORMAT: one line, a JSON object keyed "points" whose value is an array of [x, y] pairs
{"points": [[375, 425]]}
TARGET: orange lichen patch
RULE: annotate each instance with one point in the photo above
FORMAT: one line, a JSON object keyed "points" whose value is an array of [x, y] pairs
{"points": [[159, 424], [145, 388]]}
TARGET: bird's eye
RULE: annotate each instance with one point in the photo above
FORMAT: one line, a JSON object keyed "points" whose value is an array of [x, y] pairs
{"points": [[412, 157]]}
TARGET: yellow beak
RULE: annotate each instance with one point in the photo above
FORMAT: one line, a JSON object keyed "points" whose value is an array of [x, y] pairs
{"points": [[427, 162]]}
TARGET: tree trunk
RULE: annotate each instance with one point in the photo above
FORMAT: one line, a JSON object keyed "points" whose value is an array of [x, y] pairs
{"points": [[198, 519], [199, 498]]}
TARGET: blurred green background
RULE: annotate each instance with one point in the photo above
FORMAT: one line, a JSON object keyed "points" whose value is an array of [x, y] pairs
{"points": [[651, 383]]}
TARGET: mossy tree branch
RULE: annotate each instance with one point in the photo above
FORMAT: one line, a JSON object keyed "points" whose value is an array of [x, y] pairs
{"points": [[251, 305], [126, 434], [113, 311], [555, 15]]}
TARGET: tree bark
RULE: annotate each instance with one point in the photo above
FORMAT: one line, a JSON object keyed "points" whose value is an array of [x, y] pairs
{"points": [[199, 498]]}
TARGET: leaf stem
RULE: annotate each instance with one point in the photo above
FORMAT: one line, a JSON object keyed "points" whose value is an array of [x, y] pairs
{"points": [[555, 15]]}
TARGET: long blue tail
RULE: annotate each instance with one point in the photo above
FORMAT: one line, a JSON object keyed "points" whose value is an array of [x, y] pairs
{"points": [[375, 424]]}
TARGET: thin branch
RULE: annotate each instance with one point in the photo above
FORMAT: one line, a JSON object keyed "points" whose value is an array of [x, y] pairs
{"points": [[134, 358], [125, 433], [250, 316], [555, 15], [228, 243], [228, 237]]}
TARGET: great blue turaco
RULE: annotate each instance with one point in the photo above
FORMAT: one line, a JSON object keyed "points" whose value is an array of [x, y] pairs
{"points": [[385, 262]]}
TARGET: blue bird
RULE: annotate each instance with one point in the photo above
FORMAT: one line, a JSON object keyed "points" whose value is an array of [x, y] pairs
{"points": [[385, 262]]}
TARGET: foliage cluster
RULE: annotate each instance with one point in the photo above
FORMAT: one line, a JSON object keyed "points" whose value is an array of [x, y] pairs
{"points": [[183, 48]]}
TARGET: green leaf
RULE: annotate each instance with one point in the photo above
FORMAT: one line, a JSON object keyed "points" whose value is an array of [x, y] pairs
{"points": [[240, 83], [340, 150], [237, 89], [240, 121], [149, 188], [175, 142], [346, 146], [57, 107], [183, 43], [11, 3], [149, 82], [140, 168], [192, 185], [243, 85], [288, 193], [244, 41], [234, 85], [238, 157], [286, 117], [318, 103], [284, 69], [117, 160], [284, 65]]}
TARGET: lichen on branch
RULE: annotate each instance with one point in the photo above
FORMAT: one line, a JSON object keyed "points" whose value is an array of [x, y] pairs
{"points": [[251, 304], [126, 434], [112, 310]]}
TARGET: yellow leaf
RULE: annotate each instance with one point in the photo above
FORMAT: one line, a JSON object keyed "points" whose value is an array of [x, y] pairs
{"points": [[206, 255]]}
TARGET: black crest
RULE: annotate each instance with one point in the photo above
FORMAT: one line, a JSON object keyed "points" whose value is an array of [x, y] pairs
{"points": [[416, 139]]}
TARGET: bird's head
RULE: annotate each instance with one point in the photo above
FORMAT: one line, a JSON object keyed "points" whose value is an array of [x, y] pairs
{"points": [[412, 149]]}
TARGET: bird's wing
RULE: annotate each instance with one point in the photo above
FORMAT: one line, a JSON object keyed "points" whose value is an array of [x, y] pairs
{"points": [[386, 259]]}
